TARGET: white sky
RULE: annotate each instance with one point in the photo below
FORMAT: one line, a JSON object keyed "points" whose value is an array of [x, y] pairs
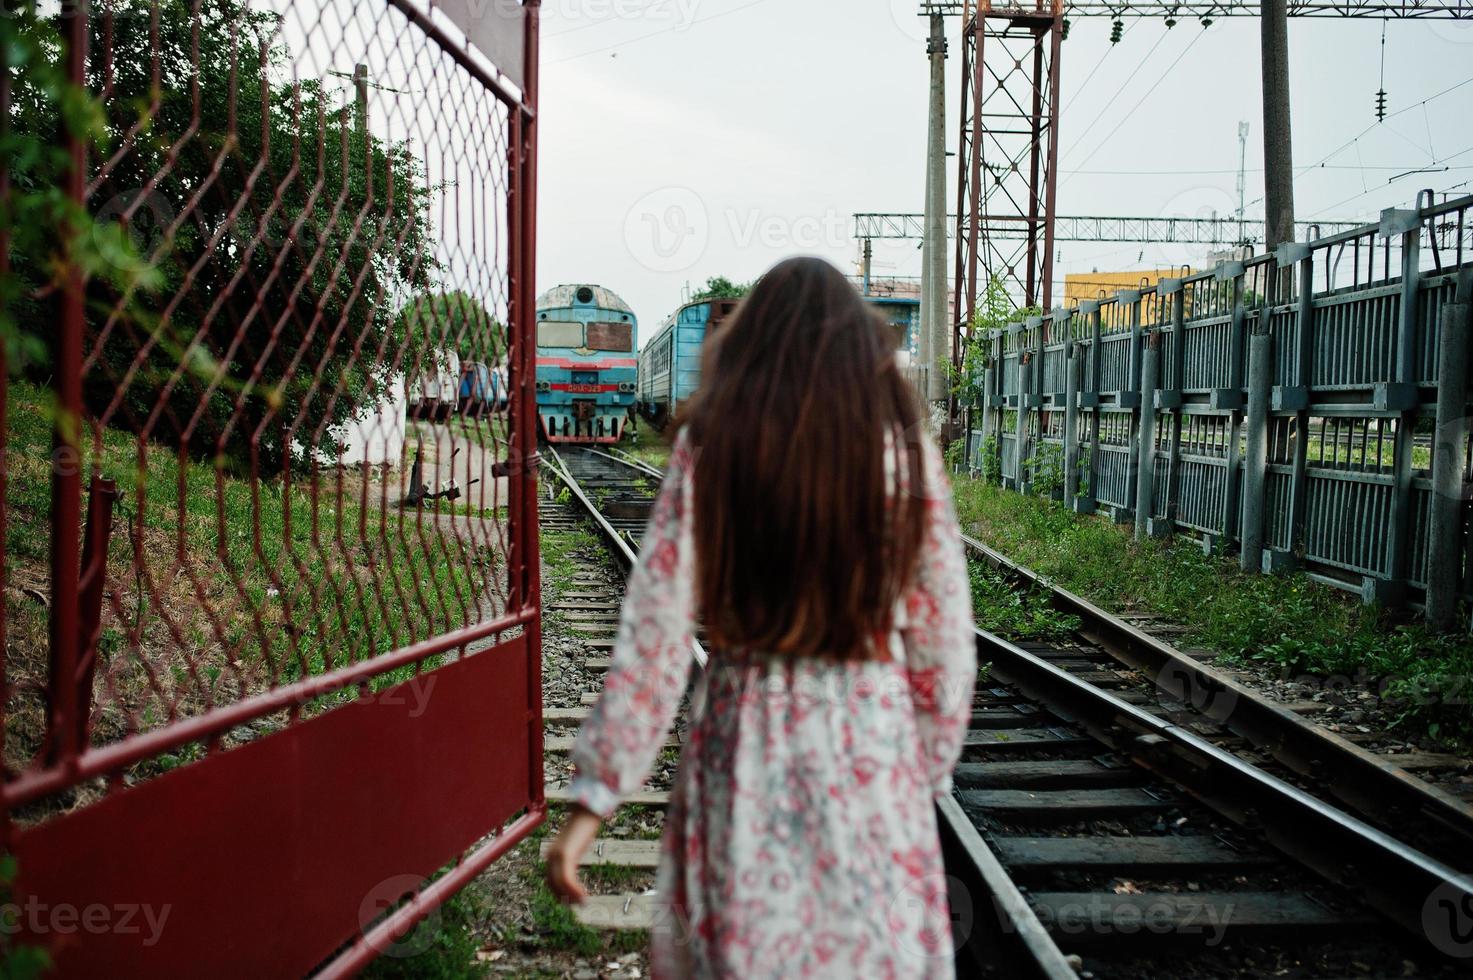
{"points": [[682, 139]]}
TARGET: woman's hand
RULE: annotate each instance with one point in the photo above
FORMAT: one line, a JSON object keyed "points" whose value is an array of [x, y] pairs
{"points": [[567, 850]]}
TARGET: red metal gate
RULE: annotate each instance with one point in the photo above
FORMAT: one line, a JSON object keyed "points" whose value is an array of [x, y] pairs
{"points": [[271, 609]]}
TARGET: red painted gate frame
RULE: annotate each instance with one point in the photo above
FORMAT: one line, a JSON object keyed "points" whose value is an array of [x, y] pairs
{"points": [[263, 850]]}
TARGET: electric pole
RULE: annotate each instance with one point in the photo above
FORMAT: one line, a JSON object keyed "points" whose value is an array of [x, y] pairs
{"points": [[1242, 181], [1278, 158], [934, 325], [360, 98]]}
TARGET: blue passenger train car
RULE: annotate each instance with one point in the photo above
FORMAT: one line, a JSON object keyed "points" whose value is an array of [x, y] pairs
{"points": [[585, 364], [670, 362], [905, 316]]}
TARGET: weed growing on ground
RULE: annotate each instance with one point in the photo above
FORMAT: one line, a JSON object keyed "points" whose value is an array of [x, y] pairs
{"points": [[1016, 614], [445, 948], [650, 447], [1288, 622]]}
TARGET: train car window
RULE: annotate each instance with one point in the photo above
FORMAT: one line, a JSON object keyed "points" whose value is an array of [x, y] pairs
{"points": [[559, 333], [611, 336]]}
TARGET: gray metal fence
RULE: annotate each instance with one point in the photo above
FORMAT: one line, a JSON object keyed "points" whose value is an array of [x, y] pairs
{"points": [[1308, 408]]}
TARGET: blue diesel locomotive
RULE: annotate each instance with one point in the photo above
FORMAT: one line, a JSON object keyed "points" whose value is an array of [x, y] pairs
{"points": [[670, 363], [585, 364]]}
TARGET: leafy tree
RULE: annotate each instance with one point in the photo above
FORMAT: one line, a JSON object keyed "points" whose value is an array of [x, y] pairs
{"points": [[270, 237], [994, 310], [451, 320], [720, 287]]}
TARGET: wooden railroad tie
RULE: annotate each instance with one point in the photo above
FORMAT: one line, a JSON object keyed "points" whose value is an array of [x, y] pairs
{"points": [[617, 851]]}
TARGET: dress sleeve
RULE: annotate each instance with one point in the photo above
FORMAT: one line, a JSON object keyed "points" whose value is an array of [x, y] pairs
{"points": [[938, 635], [653, 650]]}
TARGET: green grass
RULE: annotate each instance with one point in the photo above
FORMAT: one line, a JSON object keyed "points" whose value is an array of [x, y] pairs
{"points": [[1017, 614], [443, 947], [1287, 623], [560, 556], [649, 445], [221, 586]]}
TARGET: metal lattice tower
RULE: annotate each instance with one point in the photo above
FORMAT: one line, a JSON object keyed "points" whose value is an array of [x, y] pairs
{"points": [[1009, 151], [1005, 225]]}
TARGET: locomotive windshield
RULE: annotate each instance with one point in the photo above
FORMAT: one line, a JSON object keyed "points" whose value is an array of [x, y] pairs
{"points": [[559, 333], [611, 336]]}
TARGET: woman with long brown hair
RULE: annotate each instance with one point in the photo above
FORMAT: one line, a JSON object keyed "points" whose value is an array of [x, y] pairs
{"points": [[806, 523]]}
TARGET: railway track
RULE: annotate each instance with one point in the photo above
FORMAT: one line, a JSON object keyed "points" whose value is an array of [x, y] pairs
{"points": [[1119, 803], [613, 493]]}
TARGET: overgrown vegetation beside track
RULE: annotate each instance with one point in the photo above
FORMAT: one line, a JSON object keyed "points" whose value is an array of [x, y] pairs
{"points": [[1285, 624], [650, 446]]}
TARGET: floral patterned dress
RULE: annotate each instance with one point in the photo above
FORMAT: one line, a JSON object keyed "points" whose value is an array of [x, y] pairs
{"points": [[801, 836]]}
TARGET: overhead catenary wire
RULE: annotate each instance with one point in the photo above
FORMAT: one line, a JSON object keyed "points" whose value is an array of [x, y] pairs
{"points": [[1427, 169], [1300, 172], [1155, 85], [1129, 78]]}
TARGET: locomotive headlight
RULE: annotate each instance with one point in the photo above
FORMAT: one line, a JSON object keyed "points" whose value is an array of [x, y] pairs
{"points": [[544, 386], [626, 386]]}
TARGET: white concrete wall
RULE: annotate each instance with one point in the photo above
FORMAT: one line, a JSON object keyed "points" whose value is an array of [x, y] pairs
{"points": [[375, 435]]}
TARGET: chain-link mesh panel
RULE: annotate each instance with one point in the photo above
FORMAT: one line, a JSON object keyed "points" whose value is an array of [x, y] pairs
{"points": [[263, 405]]}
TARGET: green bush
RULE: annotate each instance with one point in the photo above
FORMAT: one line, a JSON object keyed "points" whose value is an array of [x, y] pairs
{"points": [[237, 269]]}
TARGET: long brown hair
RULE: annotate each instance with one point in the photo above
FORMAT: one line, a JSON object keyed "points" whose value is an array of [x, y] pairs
{"points": [[803, 543]]}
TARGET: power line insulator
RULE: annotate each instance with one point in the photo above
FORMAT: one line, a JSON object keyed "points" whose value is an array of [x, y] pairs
{"points": [[1381, 106], [1117, 28]]}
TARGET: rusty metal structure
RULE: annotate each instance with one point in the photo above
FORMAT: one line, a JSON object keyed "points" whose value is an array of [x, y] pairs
{"points": [[257, 688], [1009, 127], [1221, 230]]}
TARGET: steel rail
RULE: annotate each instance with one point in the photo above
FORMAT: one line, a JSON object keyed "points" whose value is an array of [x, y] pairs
{"points": [[1359, 778], [620, 543], [620, 456], [1018, 938], [1393, 877]]}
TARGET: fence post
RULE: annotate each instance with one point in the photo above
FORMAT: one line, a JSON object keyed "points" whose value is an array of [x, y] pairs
{"points": [[988, 380], [1034, 326], [1146, 447], [1449, 459], [1297, 399], [1169, 395], [1020, 417], [1230, 399], [1089, 397], [66, 434], [1255, 461], [1401, 396], [1132, 399], [1071, 422]]}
